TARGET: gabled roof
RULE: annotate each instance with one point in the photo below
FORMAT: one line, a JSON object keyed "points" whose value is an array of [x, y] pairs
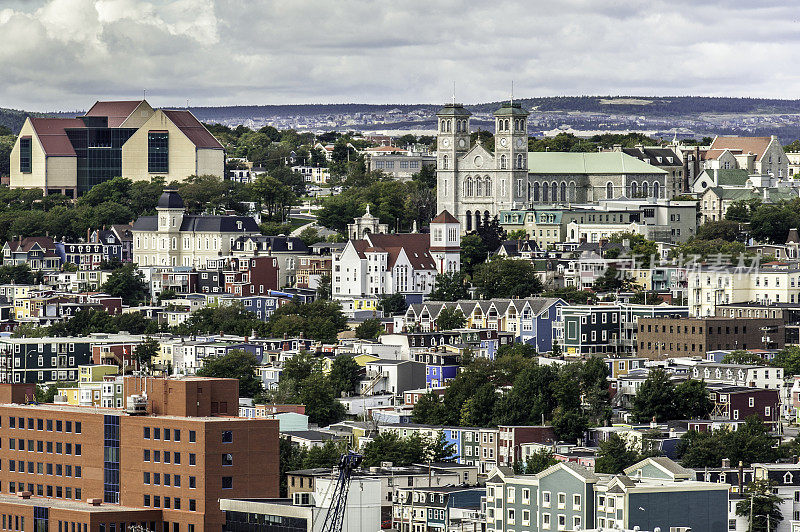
{"points": [[116, 111], [577, 470], [28, 243], [415, 245], [650, 155], [552, 162], [53, 137], [756, 145], [193, 129]]}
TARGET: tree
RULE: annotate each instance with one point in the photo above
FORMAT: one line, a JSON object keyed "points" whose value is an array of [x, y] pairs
{"points": [[450, 286], [531, 398], [392, 304], [539, 461], [639, 245], [789, 360], [310, 235], [741, 356], [764, 504], [450, 318], [438, 449], [322, 408], [345, 374], [569, 425], [299, 366], [473, 253], [478, 410], [491, 233], [236, 364], [369, 329], [428, 410], [691, 400], [723, 229], [594, 382], [47, 394], [231, 319], [506, 278], [147, 351], [319, 320], [127, 283], [750, 443], [615, 456], [654, 399], [611, 280], [390, 447], [324, 287]]}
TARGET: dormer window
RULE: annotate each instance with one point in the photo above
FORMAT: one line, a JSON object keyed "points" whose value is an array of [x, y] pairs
{"points": [[787, 478]]}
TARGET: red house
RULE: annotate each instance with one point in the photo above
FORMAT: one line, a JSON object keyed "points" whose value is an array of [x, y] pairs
{"points": [[248, 276], [737, 403]]}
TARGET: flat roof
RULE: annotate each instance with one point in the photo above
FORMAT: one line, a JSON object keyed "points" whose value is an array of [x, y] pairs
{"points": [[52, 407], [62, 504]]}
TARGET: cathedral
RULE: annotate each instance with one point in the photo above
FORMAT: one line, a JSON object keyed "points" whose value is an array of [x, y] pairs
{"points": [[475, 184]]}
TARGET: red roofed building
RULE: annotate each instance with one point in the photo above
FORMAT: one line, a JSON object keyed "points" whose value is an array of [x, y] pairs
{"points": [[125, 138], [756, 155], [38, 252], [397, 263]]}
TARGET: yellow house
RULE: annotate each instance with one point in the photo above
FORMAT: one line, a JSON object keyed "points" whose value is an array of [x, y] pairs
{"points": [[361, 360], [126, 138], [641, 277], [95, 372], [72, 395]]}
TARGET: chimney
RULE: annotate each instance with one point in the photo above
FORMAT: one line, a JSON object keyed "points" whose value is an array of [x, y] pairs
{"points": [[25, 494], [94, 502], [726, 462], [617, 147]]}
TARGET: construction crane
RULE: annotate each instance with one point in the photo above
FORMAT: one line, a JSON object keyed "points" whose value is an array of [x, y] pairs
{"points": [[334, 519]]}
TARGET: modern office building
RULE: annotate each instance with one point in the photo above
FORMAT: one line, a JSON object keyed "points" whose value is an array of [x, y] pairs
{"points": [[121, 138], [165, 461]]}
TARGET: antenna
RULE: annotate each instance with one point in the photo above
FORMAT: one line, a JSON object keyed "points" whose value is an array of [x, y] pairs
{"points": [[144, 94], [454, 93], [512, 93]]}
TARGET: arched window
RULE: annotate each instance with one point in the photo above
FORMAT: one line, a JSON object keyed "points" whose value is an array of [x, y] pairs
{"points": [[545, 191], [477, 219], [520, 162], [488, 187], [468, 187], [634, 189], [536, 191], [554, 192], [563, 192], [610, 190], [645, 189], [478, 186], [469, 220], [503, 162], [656, 190], [572, 190], [444, 162]]}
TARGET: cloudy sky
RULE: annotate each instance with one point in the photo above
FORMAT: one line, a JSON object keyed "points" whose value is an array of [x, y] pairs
{"points": [[64, 54]]}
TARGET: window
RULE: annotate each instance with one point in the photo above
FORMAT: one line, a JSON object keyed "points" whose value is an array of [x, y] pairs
{"points": [[192, 436], [25, 157], [546, 499], [227, 459], [227, 483], [158, 151], [146, 433], [192, 459], [192, 508], [227, 436]]}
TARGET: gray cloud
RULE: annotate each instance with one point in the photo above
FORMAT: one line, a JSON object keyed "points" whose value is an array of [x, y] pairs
{"points": [[64, 54]]}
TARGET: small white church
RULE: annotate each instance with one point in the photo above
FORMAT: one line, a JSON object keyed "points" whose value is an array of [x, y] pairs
{"points": [[374, 263]]}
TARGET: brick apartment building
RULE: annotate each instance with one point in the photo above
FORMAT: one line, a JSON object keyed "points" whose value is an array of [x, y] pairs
{"points": [[166, 466], [660, 338], [240, 276]]}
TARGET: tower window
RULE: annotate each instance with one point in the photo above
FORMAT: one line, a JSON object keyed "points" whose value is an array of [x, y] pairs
{"points": [[158, 152], [25, 156], [503, 162]]}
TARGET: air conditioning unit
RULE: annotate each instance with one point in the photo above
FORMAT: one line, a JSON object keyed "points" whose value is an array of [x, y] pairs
{"points": [[680, 529], [137, 405]]}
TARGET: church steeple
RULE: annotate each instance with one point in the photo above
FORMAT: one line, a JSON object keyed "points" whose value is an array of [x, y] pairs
{"points": [[452, 142], [511, 153]]}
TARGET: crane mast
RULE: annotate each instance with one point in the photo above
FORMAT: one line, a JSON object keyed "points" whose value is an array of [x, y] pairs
{"points": [[334, 518]]}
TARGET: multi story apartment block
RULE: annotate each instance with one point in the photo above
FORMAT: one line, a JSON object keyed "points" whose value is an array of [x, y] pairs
{"points": [[397, 162], [130, 138], [710, 287], [665, 337], [242, 276], [317, 175], [654, 493], [174, 238], [607, 329], [172, 455], [287, 249], [435, 508]]}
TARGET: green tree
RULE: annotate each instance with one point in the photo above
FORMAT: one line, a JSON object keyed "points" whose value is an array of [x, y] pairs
{"points": [[611, 280], [127, 283], [506, 278], [428, 410], [299, 366], [473, 253], [319, 320], [478, 409], [147, 351], [310, 236], [655, 397], [392, 304], [789, 360], [764, 504], [322, 408], [750, 443], [615, 456], [530, 399], [450, 318], [639, 245], [741, 356], [369, 329], [720, 229], [345, 375], [390, 447], [231, 319], [691, 400], [438, 449], [539, 461], [46, 394], [569, 425], [450, 286], [236, 364], [324, 287]]}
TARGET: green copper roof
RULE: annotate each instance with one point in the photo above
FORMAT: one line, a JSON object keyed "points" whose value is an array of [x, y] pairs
{"points": [[732, 177], [509, 109], [552, 162], [736, 194], [453, 109]]}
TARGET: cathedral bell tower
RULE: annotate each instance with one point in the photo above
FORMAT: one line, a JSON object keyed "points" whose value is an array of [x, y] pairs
{"points": [[452, 141], [511, 156]]}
